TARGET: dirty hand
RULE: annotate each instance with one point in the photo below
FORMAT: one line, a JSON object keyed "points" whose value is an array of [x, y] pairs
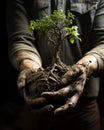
{"points": [[37, 105], [73, 81]]}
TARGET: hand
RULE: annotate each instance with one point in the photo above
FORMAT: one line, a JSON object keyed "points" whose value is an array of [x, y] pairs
{"points": [[73, 81], [37, 104], [23, 76]]}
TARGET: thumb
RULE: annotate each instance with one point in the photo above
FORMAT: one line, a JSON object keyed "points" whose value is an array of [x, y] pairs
{"points": [[22, 78], [73, 73], [21, 82]]}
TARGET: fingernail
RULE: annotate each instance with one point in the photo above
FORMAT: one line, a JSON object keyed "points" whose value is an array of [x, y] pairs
{"points": [[64, 81], [21, 84]]}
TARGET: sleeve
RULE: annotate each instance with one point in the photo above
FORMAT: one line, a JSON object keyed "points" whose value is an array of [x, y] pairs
{"points": [[19, 36], [98, 36]]}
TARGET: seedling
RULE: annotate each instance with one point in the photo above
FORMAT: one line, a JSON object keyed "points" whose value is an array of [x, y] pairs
{"points": [[56, 27]]}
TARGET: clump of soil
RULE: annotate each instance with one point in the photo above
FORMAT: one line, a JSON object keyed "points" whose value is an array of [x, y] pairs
{"points": [[57, 28], [47, 79]]}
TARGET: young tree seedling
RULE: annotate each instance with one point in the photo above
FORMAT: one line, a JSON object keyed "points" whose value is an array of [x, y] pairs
{"points": [[57, 27]]}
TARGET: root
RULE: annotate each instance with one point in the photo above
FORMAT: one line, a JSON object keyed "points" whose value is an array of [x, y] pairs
{"points": [[47, 79]]}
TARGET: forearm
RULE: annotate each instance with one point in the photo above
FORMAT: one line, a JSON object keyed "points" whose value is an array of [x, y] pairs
{"points": [[98, 52], [22, 52], [24, 59], [95, 60], [21, 49], [90, 62]]}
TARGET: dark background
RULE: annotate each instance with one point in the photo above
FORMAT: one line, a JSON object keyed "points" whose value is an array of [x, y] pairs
{"points": [[10, 101], [11, 104], [8, 87]]}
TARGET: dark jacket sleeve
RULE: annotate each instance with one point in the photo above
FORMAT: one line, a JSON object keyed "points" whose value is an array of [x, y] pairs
{"points": [[19, 36], [98, 35]]}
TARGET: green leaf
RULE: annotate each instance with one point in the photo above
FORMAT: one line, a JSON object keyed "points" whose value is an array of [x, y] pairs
{"points": [[57, 26]]}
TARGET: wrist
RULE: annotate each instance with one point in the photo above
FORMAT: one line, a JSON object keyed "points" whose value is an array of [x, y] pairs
{"points": [[91, 64], [29, 64], [26, 60]]}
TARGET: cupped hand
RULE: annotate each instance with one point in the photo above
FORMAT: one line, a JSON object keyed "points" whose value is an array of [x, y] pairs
{"points": [[36, 104], [73, 81]]}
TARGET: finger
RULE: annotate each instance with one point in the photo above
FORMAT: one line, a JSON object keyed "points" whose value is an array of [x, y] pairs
{"points": [[36, 101], [79, 86], [21, 82], [23, 76], [58, 95], [70, 104], [74, 72], [48, 109], [35, 75]]}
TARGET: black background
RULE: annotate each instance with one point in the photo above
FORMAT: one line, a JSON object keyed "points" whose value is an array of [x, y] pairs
{"points": [[8, 87], [11, 103]]}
